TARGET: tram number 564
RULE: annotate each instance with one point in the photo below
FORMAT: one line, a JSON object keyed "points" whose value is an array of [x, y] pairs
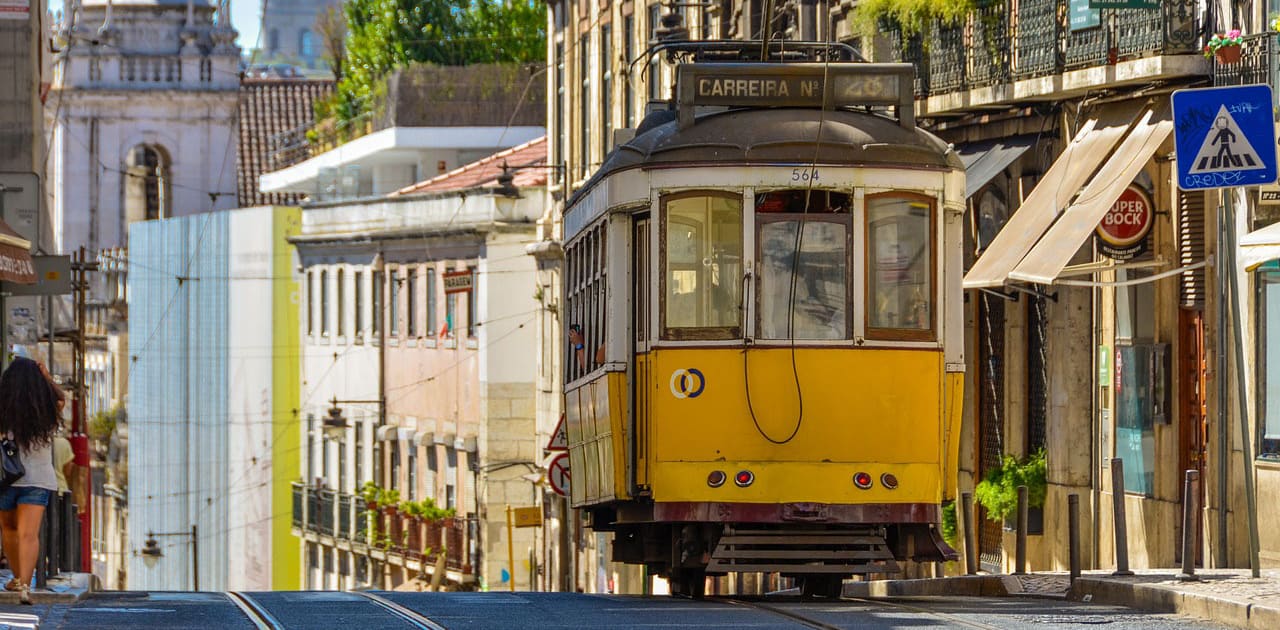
{"points": [[804, 174]]}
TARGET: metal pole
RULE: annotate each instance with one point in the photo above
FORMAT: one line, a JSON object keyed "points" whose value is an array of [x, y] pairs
{"points": [[1246, 437], [970, 537], [1020, 548], [1190, 525], [1073, 533], [1119, 521], [511, 552], [1224, 432], [195, 559]]}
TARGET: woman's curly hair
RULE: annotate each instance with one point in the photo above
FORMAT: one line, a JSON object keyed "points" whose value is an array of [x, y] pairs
{"points": [[28, 404]]}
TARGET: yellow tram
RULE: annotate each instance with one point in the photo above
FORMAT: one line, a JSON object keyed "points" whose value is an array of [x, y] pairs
{"points": [[764, 329]]}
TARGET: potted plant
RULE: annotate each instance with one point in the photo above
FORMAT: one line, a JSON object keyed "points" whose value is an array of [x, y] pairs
{"points": [[1224, 48], [998, 491], [370, 492]]}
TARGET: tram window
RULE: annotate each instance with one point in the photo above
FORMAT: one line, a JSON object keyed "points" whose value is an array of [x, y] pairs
{"points": [[805, 295], [900, 267], [702, 279]]}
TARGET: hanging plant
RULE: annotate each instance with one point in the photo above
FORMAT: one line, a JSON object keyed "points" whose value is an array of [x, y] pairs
{"points": [[998, 491]]}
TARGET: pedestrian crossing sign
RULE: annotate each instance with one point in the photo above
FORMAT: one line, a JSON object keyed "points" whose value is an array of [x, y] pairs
{"points": [[1224, 137]]}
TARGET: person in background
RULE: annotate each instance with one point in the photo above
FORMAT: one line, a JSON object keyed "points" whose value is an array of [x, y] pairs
{"points": [[29, 416]]}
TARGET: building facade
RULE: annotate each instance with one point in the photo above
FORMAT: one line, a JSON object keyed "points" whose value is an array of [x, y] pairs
{"points": [[290, 33], [418, 327]]}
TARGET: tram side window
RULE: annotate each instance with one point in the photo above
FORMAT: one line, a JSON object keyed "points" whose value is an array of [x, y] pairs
{"points": [[804, 295], [900, 266], [586, 302], [702, 266]]}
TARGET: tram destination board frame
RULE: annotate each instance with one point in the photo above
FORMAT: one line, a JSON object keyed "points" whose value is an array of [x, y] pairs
{"points": [[796, 85]]}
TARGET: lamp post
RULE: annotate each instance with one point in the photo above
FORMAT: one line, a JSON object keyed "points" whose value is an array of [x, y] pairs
{"points": [[151, 552]]}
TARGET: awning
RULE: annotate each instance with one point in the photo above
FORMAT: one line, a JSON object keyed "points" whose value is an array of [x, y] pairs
{"points": [[1260, 246], [984, 160], [1098, 135], [15, 257], [1047, 259]]}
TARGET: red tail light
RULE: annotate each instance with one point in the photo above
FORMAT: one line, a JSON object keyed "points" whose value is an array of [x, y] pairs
{"points": [[716, 478], [889, 481], [744, 478], [862, 480]]}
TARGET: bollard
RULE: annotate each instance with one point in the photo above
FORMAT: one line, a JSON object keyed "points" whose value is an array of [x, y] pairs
{"points": [[1020, 549], [1190, 525], [1073, 534], [1118, 520], [970, 537]]}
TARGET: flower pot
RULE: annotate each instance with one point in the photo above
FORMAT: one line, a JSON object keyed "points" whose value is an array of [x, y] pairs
{"points": [[1227, 55]]}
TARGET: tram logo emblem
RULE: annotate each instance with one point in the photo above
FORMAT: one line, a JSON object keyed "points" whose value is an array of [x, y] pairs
{"points": [[687, 383]]}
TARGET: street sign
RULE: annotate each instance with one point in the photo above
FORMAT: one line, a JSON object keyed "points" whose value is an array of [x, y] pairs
{"points": [[457, 281], [527, 516], [558, 474], [559, 439], [1224, 137]]}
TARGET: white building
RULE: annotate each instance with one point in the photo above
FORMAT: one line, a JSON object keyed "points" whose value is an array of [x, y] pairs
{"points": [[141, 116]]}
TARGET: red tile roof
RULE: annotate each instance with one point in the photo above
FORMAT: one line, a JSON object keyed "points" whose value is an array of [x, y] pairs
{"points": [[274, 114], [528, 160]]}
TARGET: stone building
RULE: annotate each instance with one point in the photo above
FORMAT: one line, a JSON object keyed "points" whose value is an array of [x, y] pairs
{"points": [[289, 32]]}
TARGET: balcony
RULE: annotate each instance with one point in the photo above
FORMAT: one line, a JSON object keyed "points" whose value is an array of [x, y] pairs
{"points": [[1257, 62], [298, 506], [1043, 50]]}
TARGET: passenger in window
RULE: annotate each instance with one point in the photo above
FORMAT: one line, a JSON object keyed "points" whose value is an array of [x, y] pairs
{"points": [[576, 340]]}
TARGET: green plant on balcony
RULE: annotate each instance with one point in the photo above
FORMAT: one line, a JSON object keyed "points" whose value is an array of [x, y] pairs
{"points": [[912, 16], [998, 491], [1224, 47]]}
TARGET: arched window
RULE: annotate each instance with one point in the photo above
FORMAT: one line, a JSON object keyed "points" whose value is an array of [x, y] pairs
{"points": [[147, 184], [306, 49]]}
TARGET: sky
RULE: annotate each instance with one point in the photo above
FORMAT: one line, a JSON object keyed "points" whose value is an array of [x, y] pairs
{"points": [[246, 17]]}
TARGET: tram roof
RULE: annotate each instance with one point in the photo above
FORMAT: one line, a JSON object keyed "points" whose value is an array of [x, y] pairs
{"points": [[776, 136]]}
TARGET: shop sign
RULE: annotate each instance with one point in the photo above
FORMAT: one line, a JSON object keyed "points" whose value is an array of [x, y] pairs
{"points": [[1122, 233], [1082, 17], [1269, 195], [457, 281]]}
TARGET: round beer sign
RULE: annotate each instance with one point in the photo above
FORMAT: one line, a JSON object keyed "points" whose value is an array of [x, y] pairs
{"points": [[1123, 230]]}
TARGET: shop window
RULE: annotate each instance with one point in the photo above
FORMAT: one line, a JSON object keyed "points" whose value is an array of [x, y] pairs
{"points": [[900, 268], [1141, 401], [702, 270], [803, 287], [1268, 357]]}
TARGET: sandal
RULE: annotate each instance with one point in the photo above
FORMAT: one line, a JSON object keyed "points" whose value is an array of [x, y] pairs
{"points": [[12, 585], [24, 593]]}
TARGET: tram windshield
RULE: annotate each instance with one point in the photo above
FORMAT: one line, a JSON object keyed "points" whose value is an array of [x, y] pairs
{"points": [[803, 287], [703, 268]]}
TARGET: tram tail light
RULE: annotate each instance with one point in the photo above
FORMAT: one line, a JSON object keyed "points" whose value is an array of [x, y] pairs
{"points": [[889, 481], [744, 478], [862, 480], [716, 478]]}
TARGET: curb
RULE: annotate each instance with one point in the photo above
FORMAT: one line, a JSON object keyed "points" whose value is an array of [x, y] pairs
{"points": [[73, 588], [1163, 599]]}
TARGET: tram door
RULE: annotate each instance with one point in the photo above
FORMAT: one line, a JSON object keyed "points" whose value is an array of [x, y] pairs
{"points": [[990, 416], [641, 271]]}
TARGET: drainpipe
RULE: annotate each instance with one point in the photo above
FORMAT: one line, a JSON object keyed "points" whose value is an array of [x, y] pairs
{"points": [[1224, 444]]}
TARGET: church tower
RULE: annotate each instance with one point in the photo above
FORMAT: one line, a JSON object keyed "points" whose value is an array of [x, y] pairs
{"points": [[142, 116]]}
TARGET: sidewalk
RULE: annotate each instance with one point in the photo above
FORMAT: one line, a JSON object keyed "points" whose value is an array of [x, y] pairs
{"points": [[67, 588], [1227, 596]]}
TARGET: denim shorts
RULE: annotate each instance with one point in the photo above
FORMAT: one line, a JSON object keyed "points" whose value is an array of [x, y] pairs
{"points": [[13, 495]]}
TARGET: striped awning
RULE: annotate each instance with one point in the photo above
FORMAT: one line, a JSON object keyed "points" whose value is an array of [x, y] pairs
{"points": [[15, 257]]}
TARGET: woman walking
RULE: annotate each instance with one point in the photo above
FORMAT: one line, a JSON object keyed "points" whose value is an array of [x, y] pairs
{"points": [[29, 416]]}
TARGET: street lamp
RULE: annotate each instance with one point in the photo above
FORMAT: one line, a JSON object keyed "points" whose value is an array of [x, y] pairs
{"points": [[335, 424], [151, 552]]}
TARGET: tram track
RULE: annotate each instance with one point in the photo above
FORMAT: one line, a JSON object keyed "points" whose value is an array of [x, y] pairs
{"points": [[263, 618], [776, 608]]}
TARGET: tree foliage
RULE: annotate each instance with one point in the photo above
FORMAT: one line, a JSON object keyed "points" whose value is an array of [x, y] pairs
{"points": [[383, 35]]}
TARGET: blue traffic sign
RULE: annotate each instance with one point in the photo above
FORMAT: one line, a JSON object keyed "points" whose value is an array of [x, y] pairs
{"points": [[1224, 136]]}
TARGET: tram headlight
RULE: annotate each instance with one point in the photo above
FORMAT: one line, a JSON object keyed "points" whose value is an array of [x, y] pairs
{"points": [[744, 478], [716, 478], [889, 481], [862, 480]]}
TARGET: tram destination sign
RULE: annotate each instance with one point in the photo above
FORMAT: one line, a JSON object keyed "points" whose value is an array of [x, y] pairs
{"points": [[796, 85]]}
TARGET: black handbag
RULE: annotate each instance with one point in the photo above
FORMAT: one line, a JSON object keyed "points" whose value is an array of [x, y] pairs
{"points": [[11, 468]]}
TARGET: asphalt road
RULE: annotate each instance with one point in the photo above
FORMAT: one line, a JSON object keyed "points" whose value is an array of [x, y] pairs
{"points": [[521, 611]]}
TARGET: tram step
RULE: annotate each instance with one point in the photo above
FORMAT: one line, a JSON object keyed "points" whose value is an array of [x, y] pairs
{"points": [[802, 552]]}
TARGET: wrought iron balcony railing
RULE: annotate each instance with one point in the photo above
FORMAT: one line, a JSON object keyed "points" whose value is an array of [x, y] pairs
{"points": [[1258, 62], [298, 505], [325, 507], [997, 44]]}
